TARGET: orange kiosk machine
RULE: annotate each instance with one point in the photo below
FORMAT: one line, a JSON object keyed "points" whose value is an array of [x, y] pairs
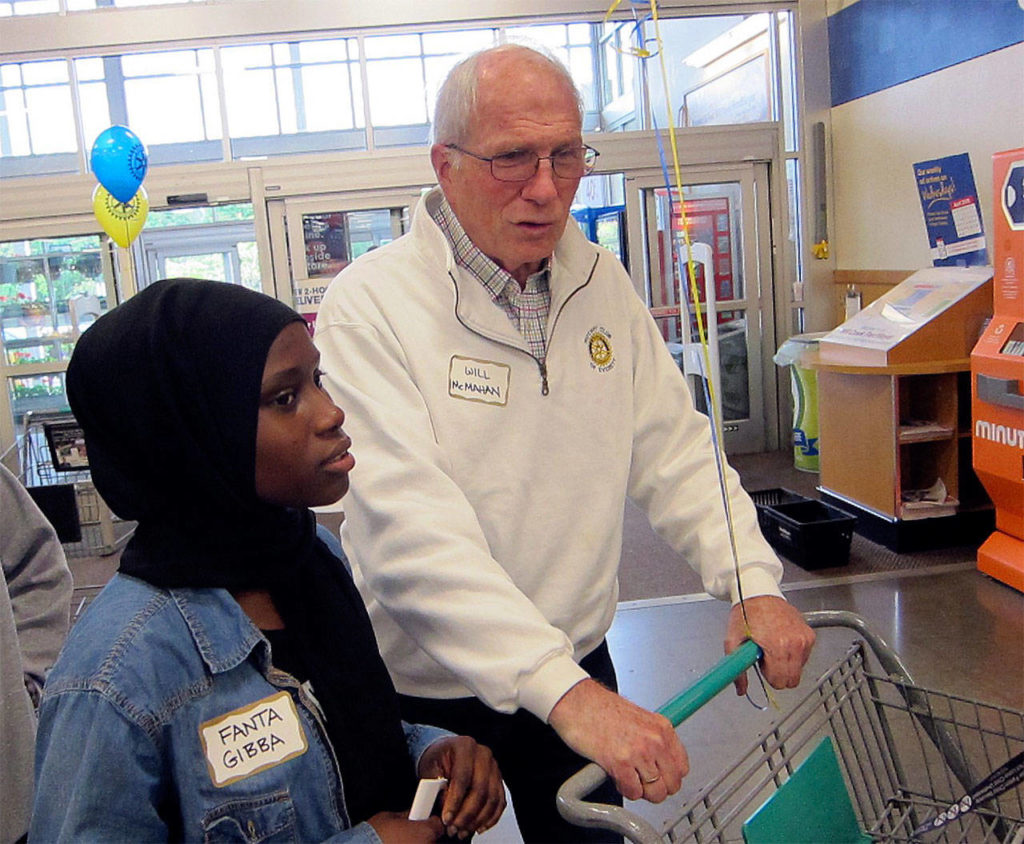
{"points": [[997, 380]]}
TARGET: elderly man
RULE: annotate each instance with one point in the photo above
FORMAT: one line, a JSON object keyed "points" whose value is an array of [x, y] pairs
{"points": [[506, 390]]}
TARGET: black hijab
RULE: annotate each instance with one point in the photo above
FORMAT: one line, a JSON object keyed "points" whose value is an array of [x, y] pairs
{"points": [[166, 388]]}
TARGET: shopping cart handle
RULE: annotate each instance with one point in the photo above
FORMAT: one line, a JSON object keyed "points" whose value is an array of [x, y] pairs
{"points": [[727, 669], [570, 801]]}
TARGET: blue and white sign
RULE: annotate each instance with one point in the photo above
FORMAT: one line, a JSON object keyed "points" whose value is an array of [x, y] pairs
{"points": [[952, 215]]}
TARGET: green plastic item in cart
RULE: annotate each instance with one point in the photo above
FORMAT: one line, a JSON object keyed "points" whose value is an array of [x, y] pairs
{"points": [[812, 806]]}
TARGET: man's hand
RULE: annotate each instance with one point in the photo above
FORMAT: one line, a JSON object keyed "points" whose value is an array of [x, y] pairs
{"points": [[784, 637], [638, 749], [475, 796]]}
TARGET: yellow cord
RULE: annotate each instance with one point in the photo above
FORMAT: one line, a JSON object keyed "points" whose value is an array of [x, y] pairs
{"points": [[695, 297]]}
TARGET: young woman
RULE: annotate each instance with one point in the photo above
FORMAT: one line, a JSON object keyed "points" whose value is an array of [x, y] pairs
{"points": [[226, 684]]}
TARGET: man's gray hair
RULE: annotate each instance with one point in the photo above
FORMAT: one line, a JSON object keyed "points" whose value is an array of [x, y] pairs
{"points": [[457, 97]]}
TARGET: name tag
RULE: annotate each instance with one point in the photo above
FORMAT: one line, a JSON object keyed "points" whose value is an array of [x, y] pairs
{"points": [[478, 380], [252, 739]]}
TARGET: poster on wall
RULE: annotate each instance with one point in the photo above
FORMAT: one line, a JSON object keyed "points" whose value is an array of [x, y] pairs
{"points": [[325, 237], [952, 215], [326, 240]]}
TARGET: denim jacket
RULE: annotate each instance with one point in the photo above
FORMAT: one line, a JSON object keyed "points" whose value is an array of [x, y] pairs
{"points": [[164, 719]]}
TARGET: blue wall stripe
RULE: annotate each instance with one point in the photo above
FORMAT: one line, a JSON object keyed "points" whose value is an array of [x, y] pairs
{"points": [[876, 44]]}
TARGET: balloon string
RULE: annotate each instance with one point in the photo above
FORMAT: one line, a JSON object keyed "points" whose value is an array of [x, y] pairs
{"points": [[709, 389]]}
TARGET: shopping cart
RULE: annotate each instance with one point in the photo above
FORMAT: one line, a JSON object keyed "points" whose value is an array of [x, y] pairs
{"points": [[47, 470], [907, 756]]}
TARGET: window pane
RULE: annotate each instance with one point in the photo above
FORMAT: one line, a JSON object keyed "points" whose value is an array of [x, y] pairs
{"points": [[14, 124], [92, 97], [289, 100], [89, 69], [37, 116], [28, 7], [171, 97], [44, 73], [149, 2], [147, 101], [38, 394], [158, 64], [368, 229], [249, 259], [581, 68], [238, 59], [327, 100], [436, 70], [251, 101], [396, 92], [42, 294], [794, 234], [51, 120], [199, 215], [733, 365], [291, 88], [579, 33], [457, 43], [10, 75], [725, 74], [209, 266], [788, 72], [599, 208], [211, 111], [336, 50], [552, 36], [386, 46], [249, 95]]}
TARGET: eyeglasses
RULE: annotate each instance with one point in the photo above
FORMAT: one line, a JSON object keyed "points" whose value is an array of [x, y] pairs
{"points": [[522, 164]]}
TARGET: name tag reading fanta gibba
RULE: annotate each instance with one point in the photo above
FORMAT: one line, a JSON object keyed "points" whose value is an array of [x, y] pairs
{"points": [[251, 739]]}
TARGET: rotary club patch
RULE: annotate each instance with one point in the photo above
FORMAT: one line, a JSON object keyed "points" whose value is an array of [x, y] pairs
{"points": [[599, 346]]}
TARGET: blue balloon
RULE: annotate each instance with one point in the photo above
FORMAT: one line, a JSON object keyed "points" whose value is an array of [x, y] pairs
{"points": [[120, 161]]}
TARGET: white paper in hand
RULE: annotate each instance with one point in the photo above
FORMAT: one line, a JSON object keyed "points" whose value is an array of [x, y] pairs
{"points": [[426, 796]]}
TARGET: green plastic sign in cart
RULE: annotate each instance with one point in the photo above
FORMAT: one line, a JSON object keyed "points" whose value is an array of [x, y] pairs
{"points": [[812, 806]]}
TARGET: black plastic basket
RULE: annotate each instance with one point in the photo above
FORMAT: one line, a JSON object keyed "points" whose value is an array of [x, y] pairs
{"points": [[770, 497], [805, 531]]}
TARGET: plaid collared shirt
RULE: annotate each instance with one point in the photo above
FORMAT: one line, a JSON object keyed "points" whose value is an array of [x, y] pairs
{"points": [[527, 307]]}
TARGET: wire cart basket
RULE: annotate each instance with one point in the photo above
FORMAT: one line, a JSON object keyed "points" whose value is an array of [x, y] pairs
{"points": [[50, 464], [906, 755]]}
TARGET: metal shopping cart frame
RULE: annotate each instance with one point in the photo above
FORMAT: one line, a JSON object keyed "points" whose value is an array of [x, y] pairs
{"points": [[906, 754], [102, 533]]}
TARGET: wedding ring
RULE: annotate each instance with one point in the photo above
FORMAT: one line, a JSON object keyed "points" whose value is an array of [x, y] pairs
{"points": [[649, 780]]}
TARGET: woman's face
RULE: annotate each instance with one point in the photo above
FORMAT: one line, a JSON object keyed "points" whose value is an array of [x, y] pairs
{"points": [[302, 457]]}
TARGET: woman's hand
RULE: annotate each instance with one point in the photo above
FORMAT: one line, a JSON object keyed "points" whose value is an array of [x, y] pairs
{"points": [[396, 828], [475, 796]]}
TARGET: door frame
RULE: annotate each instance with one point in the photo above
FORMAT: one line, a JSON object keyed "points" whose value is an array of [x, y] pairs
{"points": [[154, 245], [284, 217], [762, 432]]}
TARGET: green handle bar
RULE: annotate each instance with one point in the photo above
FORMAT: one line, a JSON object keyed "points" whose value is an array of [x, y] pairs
{"points": [[570, 800], [727, 669]]}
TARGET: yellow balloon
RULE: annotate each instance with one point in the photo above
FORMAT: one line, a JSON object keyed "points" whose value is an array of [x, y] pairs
{"points": [[121, 220]]}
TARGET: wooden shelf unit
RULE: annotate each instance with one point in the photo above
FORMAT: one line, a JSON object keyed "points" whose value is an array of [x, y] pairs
{"points": [[867, 464]]}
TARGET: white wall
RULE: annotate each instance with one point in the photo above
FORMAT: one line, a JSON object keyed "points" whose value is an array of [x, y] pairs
{"points": [[975, 107]]}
